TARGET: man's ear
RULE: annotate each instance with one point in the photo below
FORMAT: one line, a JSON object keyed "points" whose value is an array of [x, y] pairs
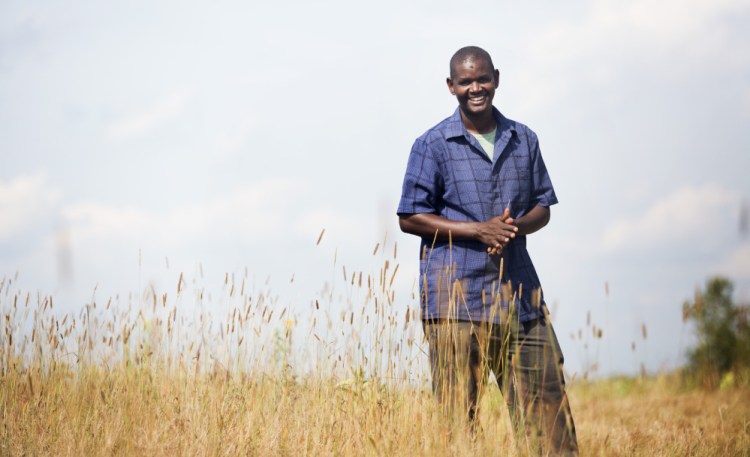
{"points": [[497, 78], [449, 82]]}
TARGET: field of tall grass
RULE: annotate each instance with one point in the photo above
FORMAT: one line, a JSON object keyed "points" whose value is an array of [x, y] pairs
{"points": [[180, 373]]}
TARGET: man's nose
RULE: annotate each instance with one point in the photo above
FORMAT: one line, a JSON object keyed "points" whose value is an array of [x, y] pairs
{"points": [[474, 87]]}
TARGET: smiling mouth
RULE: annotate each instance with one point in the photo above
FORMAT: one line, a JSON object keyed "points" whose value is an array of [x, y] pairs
{"points": [[477, 100]]}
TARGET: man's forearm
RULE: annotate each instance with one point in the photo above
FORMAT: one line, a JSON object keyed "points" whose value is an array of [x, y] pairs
{"points": [[494, 233], [427, 225], [532, 221]]}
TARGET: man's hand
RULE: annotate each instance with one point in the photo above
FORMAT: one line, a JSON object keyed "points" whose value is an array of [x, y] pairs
{"points": [[494, 233], [497, 232]]}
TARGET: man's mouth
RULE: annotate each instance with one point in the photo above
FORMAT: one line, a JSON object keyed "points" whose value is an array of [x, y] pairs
{"points": [[477, 99]]}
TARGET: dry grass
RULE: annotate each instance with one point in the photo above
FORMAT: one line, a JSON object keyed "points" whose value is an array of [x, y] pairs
{"points": [[656, 417], [133, 411], [166, 374]]}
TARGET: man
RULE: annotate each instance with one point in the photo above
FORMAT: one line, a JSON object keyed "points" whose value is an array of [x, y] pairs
{"points": [[475, 187]]}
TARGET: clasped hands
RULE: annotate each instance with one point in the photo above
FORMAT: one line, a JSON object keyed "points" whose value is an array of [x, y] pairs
{"points": [[497, 232]]}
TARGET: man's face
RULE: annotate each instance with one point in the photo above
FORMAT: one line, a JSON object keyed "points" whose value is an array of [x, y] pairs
{"points": [[473, 82]]}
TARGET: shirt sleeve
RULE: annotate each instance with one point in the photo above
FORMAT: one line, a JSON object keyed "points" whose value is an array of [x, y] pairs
{"points": [[423, 182], [542, 192]]}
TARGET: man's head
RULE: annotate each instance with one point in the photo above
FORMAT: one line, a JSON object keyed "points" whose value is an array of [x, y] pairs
{"points": [[473, 80], [468, 53]]}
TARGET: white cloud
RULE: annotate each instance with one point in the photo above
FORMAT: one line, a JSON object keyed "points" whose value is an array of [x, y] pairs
{"points": [[736, 264], [96, 220], [601, 46], [162, 111], [237, 135], [668, 19], [663, 24], [250, 211], [338, 226], [24, 201], [686, 215]]}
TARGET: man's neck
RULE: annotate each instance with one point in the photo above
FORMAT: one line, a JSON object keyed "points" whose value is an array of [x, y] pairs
{"points": [[483, 123]]}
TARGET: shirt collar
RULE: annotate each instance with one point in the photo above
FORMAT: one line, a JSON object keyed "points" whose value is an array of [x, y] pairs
{"points": [[455, 127]]}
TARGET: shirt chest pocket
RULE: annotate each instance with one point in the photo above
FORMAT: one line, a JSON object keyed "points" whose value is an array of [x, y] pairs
{"points": [[518, 167], [514, 185]]}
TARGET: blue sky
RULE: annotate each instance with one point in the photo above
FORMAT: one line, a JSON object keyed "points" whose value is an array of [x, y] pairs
{"points": [[142, 140]]}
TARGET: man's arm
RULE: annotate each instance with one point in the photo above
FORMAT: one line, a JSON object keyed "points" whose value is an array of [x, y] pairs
{"points": [[493, 233], [532, 221]]}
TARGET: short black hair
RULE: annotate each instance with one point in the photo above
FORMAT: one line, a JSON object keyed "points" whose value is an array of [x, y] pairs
{"points": [[468, 53]]}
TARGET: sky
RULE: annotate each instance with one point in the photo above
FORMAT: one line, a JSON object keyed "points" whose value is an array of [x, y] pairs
{"points": [[141, 140]]}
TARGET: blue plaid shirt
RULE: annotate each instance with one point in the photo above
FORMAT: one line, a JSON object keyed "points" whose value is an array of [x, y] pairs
{"points": [[450, 175]]}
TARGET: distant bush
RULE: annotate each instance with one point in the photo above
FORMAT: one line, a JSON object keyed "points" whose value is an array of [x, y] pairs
{"points": [[722, 356]]}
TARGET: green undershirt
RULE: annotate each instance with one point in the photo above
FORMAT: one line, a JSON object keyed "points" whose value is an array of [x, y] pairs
{"points": [[487, 141]]}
